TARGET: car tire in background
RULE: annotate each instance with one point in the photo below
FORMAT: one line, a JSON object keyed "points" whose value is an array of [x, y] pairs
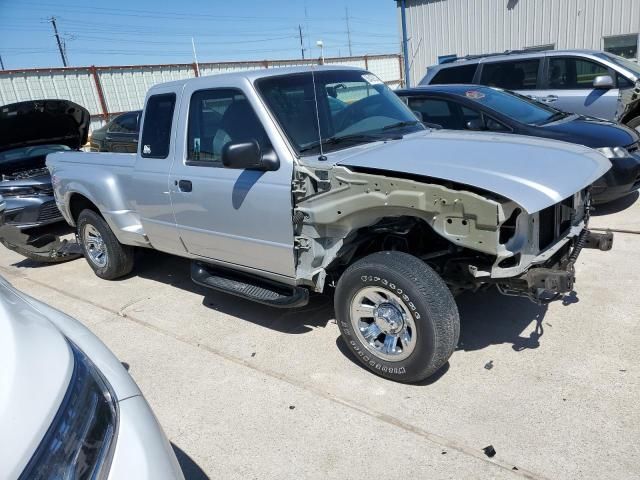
{"points": [[108, 258], [634, 123], [394, 294]]}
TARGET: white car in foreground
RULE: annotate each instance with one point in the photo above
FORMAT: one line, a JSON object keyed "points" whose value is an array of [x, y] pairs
{"points": [[68, 408]]}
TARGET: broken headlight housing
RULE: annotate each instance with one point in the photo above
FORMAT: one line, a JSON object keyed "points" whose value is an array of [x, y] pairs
{"points": [[80, 441]]}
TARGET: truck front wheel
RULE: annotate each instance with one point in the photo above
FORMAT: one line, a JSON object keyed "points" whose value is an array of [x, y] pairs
{"points": [[108, 258], [397, 316]]}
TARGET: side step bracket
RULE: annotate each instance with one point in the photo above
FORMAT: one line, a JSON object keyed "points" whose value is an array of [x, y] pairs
{"points": [[246, 286]]}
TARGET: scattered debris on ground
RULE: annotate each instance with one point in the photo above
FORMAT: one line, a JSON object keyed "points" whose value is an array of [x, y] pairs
{"points": [[489, 451], [488, 365]]}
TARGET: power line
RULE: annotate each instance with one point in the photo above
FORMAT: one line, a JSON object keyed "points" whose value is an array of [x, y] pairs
{"points": [[1, 63], [55, 31]]}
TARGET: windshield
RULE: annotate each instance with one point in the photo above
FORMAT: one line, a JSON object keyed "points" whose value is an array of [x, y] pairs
{"points": [[633, 67], [350, 106], [518, 107]]}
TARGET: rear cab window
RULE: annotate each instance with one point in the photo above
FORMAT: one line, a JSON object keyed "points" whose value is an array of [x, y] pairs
{"points": [[511, 75], [454, 75], [156, 131]]}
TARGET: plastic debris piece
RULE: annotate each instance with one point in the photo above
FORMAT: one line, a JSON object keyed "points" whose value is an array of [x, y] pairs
{"points": [[488, 365], [489, 451]]}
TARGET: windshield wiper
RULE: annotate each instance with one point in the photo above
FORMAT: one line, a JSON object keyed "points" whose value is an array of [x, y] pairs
{"points": [[335, 140], [404, 123]]}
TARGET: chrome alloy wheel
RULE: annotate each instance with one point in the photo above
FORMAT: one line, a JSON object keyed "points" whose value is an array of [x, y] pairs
{"points": [[383, 323], [94, 246]]}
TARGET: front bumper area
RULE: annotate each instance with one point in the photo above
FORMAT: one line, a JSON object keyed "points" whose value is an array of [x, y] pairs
{"points": [[621, 180], [31, 211], [549, 281]]}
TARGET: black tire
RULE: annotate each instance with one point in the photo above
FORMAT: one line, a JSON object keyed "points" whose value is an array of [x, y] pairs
{"points": [[119, 258], [44, 257], [634, 123], [429, 301]]}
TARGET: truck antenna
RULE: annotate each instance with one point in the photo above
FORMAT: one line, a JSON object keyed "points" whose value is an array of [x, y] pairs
{"points": [[322, 156]]}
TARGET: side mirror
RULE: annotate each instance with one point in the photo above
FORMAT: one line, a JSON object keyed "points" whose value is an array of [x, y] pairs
{"points": [[249, 156], [603, 81], [476, 124]]}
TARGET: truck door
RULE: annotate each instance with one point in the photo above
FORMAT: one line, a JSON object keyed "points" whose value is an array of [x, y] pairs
{"points": [[239, 217], [150, 182]]}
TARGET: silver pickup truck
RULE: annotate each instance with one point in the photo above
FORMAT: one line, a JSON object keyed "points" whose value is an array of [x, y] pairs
{"points": [[282, 182]]}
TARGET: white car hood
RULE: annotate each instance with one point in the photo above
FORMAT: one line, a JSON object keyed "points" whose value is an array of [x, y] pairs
{"points": [[533, 172], [36, 365]]}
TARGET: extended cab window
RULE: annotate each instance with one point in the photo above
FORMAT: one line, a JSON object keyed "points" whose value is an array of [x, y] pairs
{"points": [[218, 117], [514, 75], [461, 74], [158, 117], [573, 73]]}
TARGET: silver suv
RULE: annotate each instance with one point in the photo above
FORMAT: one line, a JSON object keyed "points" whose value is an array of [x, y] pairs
{"points": [[587, 82]]}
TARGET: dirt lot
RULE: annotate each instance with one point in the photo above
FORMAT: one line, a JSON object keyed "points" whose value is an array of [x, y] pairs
{"points": [[244, 391]]}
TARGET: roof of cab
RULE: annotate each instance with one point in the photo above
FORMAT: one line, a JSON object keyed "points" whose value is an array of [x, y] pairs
{"points": [[252, 75]]}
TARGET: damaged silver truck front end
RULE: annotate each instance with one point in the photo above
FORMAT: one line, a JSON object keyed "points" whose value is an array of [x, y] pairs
{"points": [[471, 236]]}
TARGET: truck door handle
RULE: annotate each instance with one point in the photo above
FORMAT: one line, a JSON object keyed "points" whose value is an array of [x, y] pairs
{"points": [[185, 185], [549, 98]]}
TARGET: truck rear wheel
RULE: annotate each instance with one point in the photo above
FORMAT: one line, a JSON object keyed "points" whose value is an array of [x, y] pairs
{"points": [[397, 316], [108, 258]]}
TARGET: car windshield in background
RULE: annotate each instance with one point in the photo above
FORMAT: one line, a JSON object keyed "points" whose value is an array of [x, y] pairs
{"points": [[622, 62], [350, 106], [512, 105]]}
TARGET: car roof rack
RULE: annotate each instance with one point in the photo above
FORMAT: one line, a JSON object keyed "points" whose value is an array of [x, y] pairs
{"points": [[484, 55]]}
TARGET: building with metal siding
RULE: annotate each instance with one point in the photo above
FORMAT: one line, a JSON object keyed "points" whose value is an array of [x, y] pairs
{"points": [[438, 28]]}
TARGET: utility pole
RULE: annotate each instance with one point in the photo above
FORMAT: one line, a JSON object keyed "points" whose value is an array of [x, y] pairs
{"points": [[1, 63], [55, 31], [301, 44], [346, 9], [195, 57]]}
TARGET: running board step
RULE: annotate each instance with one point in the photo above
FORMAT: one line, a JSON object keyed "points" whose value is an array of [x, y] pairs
{"points": [[249, 287]]}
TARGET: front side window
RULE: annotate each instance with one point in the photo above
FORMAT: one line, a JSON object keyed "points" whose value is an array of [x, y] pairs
{"points": [[218, 117], [449, 75], [573, 73], [156, 133], [513, 75], [436, 111], [335, 109]]}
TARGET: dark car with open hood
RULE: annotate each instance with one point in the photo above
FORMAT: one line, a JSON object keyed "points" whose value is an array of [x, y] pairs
{"points": [[29, 131]]}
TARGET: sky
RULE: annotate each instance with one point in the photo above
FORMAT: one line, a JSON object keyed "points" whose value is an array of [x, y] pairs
{"points": [[120, 32]]}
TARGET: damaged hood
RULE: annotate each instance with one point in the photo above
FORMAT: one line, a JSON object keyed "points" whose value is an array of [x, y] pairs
{"points": [[535, 173], [43, 122]]}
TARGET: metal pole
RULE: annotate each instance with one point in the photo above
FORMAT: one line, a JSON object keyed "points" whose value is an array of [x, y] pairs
{"points": [[346, 9], [195, 57], [55, 31], [405, 44], [301, 44]]}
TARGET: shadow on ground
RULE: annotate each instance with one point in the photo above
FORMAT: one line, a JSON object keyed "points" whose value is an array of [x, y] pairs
{"points": [[490, 318], [616, 206], [190, 469], [175, 271]]}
